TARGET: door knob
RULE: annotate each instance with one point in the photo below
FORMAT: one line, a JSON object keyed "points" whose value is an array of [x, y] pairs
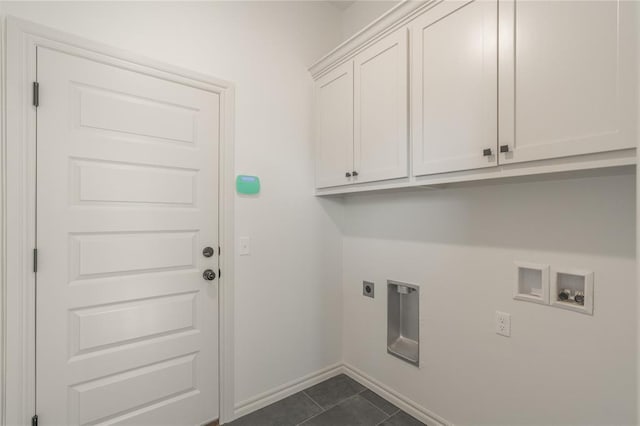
{"points": [[354, 173], [504, 148], [209, 275], [487, 152], [347, 174], [207, 251]]}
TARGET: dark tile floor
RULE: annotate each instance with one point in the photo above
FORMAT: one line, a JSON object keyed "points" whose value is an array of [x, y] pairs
{"points": [[339, 401]]}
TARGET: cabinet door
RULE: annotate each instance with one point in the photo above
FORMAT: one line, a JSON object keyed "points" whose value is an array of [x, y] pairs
{"points": [[334, 127], [454, 87], [380, 134], [567, 78]]}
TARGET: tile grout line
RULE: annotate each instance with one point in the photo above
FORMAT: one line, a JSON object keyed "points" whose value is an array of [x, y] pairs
{"points": [[390, 415], [386, 416], [322, 412], [353, 396], [337, 403], [382, 421], [312, 400], [378, 408]]}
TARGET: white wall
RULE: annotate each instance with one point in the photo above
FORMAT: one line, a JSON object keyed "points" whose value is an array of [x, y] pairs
{"points": [[638, 219], [288, 311], [362, 13], [459, 244]]}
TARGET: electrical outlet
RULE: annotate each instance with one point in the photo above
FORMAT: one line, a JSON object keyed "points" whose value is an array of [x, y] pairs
{"points": [[368, 289], [503, 324]]}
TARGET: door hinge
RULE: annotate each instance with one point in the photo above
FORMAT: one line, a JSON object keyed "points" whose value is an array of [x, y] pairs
{"points": [[35, 261], [219, 273], [36, 94], [34, 420]]}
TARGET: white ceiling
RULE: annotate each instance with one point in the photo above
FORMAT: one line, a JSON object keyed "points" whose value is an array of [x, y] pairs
{"points": [[341, 4]]}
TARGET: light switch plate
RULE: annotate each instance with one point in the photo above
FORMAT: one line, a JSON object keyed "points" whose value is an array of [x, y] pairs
{"points": [[244, 246]]}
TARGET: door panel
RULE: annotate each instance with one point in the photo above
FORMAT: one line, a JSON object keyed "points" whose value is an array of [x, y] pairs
{"points": [[568, 76], [98, 399], [152, 185], [101, 109], [127, 198], [454, 92], [381, 141], [334, 133]]}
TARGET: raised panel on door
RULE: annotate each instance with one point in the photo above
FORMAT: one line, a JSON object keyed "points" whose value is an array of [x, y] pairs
{"points": [[334, 127], [127, 329], [454, 87], [380, 105], [568, 78]]}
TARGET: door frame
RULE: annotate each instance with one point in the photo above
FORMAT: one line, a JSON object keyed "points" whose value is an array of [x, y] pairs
{"points": [[19, 40]]}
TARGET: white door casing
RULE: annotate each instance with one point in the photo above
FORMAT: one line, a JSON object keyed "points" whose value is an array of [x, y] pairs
{"points": [[380, 109], [565, 82], [454, 90], [127, 214]]}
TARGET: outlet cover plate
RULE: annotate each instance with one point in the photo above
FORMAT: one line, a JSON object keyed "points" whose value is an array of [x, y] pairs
{"points": [[503, 324]]}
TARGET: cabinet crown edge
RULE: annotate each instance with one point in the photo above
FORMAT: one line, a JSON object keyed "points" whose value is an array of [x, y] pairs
{"points": [[390, 21]]}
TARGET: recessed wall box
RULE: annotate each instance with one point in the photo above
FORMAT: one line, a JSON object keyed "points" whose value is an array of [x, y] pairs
{"points": [[532, 282], [403, 321], [573, 290]]}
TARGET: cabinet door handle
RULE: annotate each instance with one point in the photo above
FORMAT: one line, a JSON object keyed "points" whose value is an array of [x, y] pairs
{"points": [[487, 152], [354, 173], [504, 148], [347, 174]]}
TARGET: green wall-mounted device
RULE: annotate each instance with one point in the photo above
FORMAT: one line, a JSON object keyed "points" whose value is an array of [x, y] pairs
{"points": [[247, 185]]}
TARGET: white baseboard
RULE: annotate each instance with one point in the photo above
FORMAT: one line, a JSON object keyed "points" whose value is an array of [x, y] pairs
{"points": [[283, 391], [395, 398]]}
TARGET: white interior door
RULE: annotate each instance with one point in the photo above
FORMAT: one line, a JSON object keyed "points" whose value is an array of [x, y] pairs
{"points": [[455, 87], [380, 105], [334, 122], [127, 198]]}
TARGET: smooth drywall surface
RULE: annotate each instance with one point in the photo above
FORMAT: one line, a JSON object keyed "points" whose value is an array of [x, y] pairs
{"points": [[362, 13], [288, 291], [459, 245], [638, 217]]}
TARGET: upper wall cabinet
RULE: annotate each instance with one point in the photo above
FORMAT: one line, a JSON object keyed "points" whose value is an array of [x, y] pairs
{"points": [[567, 78], [334, 127], [361, 116], [497, 88], [455, 87], [380, 128]]}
